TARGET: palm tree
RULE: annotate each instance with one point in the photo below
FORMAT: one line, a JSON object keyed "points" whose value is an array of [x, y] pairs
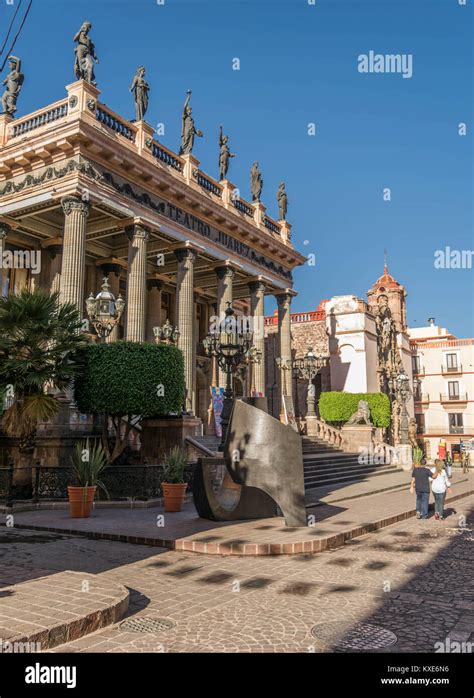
{"points": [[39, 338]]}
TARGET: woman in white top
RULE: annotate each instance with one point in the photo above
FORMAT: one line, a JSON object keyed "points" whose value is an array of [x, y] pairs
{"points": [[440, 485]]}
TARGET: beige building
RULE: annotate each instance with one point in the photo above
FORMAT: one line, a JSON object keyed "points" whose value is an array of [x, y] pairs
{"points": [[90, 194], [443, 367]]}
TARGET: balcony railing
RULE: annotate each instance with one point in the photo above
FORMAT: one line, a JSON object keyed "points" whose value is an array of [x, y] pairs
{"points": [[421, 398], [452, 369], [114, 122], [445, 431], [44, 117], [271, 225], [164, 155], [207, 183], [243, 207], [418, 370], [458, 397]]}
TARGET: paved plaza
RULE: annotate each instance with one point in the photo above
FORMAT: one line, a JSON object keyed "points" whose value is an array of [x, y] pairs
{"points": [[411, 582]]}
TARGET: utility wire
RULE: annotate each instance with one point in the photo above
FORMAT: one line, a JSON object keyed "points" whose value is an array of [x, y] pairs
{"points": [[10, 27], [17, 35]]}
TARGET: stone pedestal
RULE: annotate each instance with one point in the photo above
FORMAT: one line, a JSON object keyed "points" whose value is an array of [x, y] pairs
{"points": [[311, 426], [160, 435], [358, 436], [403, 456]]}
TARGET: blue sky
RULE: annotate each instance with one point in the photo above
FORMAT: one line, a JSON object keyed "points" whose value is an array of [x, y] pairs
{"points": [[298, 65]]}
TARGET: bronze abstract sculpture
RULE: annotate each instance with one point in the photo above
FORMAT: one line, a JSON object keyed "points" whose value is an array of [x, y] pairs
{"points": [[140, 89], [260, 475], [13, 84], [188, 129]]}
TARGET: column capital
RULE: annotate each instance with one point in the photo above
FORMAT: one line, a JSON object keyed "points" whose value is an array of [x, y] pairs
{"points": [[154, 283], [225, 272], [137, 230], [256, 286], [72, 203], [5, 229], [111, 265], [185, 253], [285, 296], [53, 246]]}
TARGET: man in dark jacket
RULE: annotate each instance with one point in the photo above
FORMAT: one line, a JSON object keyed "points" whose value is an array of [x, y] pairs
{"points": [[420, 483]]}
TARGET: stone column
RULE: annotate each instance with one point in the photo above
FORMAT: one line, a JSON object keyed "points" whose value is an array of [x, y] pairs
{"points": [[225, 275], [284, 331], [5, 230], [184, 317], [136, 282], [153, 307], [257, 311], [71, 285]]}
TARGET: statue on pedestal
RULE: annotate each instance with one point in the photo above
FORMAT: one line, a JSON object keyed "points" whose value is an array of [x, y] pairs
{"points": [[188, 129], [85, 55], [256, 182], [282, 199], [140, 89], [224, 155], [362, 414], [13, 84]]}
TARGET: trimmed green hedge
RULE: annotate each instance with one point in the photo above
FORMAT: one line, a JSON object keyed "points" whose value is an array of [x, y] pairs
{"points": [[130, 378], [337, 408]]}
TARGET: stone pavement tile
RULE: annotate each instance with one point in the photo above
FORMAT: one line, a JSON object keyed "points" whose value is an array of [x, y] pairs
{"points": [[331, 525], [286, 596]]}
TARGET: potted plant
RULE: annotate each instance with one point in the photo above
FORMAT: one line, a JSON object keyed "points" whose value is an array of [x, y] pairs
{"points": [[173, 485], [418, 456], [88, 462]]}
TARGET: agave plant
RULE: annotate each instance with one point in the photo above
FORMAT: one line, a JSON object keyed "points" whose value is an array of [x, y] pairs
{"points": [[38, 341], [174, 464], [417, 455], [88, 461]]}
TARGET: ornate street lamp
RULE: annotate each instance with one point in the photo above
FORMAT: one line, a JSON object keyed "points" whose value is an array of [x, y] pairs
{"points": [[308, 368], [402, 387], [166, 334], [230, 346], [104, 310]]}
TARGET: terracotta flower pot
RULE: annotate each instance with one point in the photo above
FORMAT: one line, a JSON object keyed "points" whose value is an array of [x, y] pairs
{"points": [[174, 495], [80, 501]]}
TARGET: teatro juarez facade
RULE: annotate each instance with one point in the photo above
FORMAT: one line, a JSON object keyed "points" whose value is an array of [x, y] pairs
{"points": [[97, 195]]}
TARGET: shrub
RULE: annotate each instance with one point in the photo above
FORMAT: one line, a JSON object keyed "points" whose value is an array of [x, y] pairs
{"points": [[127, 380], [337, 408]]}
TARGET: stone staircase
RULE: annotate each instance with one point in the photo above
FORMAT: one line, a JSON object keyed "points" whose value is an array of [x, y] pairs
{"points": [[325, 464], [210, 441]]}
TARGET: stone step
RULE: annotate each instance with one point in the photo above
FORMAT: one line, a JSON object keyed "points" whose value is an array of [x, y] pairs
{"points": [[345, 467], [311, 483]]}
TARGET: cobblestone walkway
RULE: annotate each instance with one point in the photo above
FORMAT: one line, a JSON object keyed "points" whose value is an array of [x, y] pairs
{"points": [[413, 579]]}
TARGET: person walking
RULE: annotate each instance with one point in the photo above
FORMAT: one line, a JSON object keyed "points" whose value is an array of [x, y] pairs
{"points": [[440, 485], [448, 464], [420, 484], [465, 461]]}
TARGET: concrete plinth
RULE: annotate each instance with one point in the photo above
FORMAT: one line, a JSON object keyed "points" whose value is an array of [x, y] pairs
{"points": [[311, 425], [358, 436], [160, 435], [403, 456]]}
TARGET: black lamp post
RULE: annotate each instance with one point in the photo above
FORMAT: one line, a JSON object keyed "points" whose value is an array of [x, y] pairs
{"points": [[308, 367], [231, 346], [104, 310]]}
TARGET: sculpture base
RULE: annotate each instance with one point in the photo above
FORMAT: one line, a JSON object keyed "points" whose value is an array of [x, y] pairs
{"points": [[358, 436], [160, 435], [403, 456]]}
